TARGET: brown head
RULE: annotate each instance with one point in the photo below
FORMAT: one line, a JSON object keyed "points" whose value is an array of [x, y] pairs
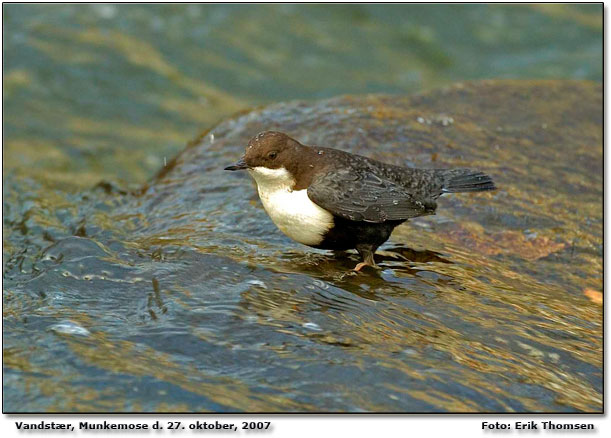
{"points": [[269, 149], [275, 150]]}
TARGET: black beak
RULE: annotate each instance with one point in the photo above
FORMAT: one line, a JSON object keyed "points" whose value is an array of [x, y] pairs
{"points": [[239, 165]]}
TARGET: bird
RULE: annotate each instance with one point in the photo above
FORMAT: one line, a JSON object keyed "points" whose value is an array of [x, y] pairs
{"points": [[334, 200]]}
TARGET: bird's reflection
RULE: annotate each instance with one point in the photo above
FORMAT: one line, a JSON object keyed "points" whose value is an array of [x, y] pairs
{"points": [[336, 268]]}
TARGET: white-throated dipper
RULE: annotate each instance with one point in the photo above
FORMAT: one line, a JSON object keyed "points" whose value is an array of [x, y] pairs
{"points": [[331, 199]]}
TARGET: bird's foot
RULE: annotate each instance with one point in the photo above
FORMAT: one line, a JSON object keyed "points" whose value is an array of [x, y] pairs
{"points": [[361, 265]]}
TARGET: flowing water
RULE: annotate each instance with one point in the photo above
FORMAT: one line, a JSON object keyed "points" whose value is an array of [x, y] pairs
{"points": [[128, 292]]}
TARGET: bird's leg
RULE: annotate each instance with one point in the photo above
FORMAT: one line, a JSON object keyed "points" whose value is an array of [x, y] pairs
{"points": [[366, 252]]}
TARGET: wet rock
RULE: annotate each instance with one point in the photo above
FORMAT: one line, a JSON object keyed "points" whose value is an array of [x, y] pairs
{"points": [[541, 141], [529, 247]]}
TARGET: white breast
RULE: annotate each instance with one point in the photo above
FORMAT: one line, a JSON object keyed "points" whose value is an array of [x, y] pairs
{"points": [[291, 210]]}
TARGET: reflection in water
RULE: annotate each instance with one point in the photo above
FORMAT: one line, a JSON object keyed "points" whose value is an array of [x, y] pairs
{"points": [[182, 296]]}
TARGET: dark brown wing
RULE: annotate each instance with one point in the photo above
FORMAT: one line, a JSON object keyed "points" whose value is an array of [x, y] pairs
{"points": [[363, 196]]}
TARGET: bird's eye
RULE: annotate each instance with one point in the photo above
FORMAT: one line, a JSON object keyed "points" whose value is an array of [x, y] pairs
{"points": [[272, 155]]}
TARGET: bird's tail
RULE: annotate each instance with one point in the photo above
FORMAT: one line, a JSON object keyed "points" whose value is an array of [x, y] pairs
{"points": [[465, 180]]}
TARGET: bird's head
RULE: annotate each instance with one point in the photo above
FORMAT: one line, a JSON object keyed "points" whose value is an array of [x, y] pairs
{"points": [[271, 155]]}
